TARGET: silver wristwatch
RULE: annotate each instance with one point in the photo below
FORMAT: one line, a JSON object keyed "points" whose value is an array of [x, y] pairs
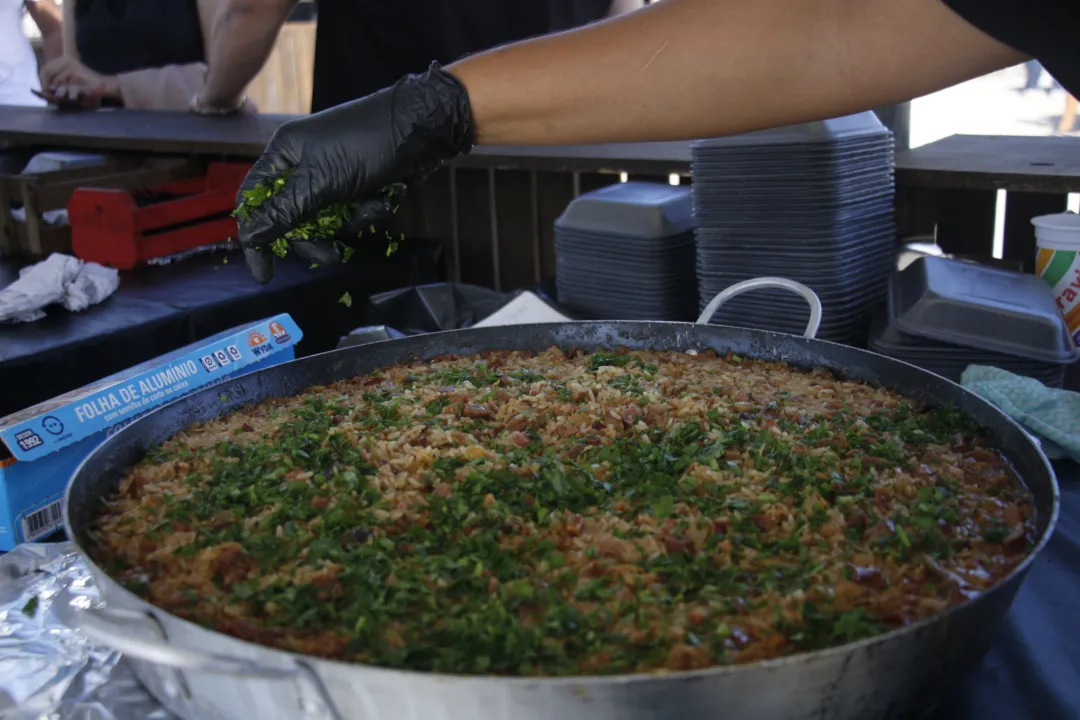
{"points": [[199, 109]]}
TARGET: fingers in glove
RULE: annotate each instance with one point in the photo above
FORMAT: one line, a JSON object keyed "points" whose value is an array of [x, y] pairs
{"points": [[365, 214], [280, 213], [262, 173], [270, 166], [320, 252], [261, 263]]}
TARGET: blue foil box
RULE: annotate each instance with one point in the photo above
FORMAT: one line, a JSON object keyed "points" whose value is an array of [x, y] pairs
{"points": [[40, 447]]}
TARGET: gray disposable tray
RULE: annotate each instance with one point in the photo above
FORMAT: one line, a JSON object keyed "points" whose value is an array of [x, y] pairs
{"points": [[980, 307], [631, 209], [842, 129]]}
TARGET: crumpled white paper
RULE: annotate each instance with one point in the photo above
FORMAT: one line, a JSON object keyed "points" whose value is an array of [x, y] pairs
{"points": [[59, 279]]}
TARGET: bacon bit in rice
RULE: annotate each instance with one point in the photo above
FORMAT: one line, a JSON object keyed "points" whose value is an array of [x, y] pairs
{"points": [[561, 514]]}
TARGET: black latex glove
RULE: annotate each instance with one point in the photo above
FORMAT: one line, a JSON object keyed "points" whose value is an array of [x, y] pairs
{"points": [[347, 154]]}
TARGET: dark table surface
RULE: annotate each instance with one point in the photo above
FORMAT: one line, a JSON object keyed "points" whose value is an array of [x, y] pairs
{"points": [[1033, 668], [245, 136], [158, 309], [143, 131]]}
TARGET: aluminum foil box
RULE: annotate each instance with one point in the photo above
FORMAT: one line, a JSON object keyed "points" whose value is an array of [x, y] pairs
{"points": [[40, 447]]}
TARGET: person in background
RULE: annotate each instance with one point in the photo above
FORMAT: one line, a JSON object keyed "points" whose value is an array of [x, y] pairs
{"points": [[1067, 123], [1034, 71], [18, 65], [364, 45], [139, 54]]}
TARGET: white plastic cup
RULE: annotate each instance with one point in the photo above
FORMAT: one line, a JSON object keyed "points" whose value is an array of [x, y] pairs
{"points": [[1058, 263]]}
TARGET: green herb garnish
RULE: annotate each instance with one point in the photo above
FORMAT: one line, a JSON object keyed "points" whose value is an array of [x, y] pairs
{"points": [[567, 514], [326, 225], [31, 606]]}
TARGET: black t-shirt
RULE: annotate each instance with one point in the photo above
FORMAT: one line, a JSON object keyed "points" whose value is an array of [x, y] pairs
{"points": [[365, 45], [1047, 30], [118, 36]]}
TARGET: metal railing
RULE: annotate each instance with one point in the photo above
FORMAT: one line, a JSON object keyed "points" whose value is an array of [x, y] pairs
{"points": [[495, 209]]}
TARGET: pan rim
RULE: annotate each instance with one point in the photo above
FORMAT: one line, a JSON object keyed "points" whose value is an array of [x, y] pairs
{"points": [[276, 657]]}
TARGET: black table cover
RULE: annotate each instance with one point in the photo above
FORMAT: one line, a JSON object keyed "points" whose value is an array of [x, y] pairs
{"points": [[158, 309]]}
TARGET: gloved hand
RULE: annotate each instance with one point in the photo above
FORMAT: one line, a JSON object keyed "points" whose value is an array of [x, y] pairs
{"points": [[347, 154]]}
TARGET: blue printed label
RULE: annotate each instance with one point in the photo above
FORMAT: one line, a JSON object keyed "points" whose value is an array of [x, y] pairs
{"points": [[33, 434], [27, 440]]}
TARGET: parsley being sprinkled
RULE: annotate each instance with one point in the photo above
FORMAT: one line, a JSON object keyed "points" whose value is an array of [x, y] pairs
{"points": [[327, 223]]}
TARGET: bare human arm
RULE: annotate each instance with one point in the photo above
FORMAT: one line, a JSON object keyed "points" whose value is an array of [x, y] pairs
{"points": [[49, 19], [681, 69], [67, 31], [242, 38], [677, 69]]}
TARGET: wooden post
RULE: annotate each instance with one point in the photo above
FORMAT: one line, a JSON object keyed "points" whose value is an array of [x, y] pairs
{"points": [[284, 83], [1068, 117], [898, 119]]}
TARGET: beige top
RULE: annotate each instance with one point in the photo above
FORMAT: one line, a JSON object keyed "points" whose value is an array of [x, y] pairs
{"points": [[166, 88]]}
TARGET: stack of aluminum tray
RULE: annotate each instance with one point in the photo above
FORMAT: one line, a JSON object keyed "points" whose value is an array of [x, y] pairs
{"points": [[627, 252], [944, 315], [813, 203]]}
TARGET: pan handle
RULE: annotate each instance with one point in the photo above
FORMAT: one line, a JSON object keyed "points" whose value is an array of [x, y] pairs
{"points": [[768, 282], [114, 627]]}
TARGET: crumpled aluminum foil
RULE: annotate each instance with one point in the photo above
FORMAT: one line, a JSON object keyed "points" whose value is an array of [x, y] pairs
{"points": [[47, 670]]}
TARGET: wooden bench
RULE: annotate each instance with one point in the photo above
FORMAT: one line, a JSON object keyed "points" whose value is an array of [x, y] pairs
{"points": [[495, 207], [950, 189]]}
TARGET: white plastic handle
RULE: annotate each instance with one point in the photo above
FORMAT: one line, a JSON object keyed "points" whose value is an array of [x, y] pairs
{"points": [[768, 282]]}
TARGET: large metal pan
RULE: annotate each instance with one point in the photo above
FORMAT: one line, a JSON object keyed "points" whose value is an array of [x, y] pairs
{"points": [[202, 675]]}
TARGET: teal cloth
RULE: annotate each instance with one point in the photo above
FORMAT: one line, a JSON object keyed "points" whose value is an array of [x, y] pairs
{"points": [[1050, 414]]}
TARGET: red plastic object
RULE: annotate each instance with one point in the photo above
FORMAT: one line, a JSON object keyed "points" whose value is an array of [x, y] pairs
{"points": [[108, 226]]}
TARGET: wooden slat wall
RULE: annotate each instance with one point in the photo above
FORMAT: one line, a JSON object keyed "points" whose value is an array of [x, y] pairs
{"points": [[952, 186], [963, 219], [966, 221], [498, 225], [283, 86], [1020, 207]]}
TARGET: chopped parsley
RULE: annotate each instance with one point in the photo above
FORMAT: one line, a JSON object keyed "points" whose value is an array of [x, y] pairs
{"points": [[327, 224], [31, 607], [560, 515]]}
